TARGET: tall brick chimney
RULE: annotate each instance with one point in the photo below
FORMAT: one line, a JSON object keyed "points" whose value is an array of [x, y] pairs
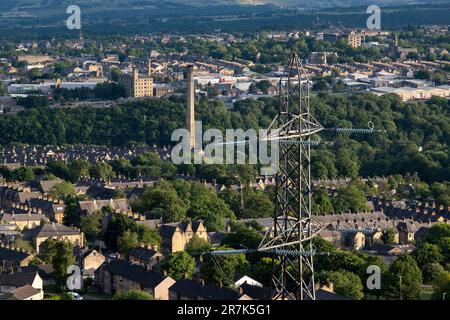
{"points": [[190, 108]]}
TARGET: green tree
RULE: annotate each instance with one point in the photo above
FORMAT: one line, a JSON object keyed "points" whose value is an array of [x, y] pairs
{"points": [[179, 265], [78, 169], [262, 270], [117, 226], [22, 174], [322, 202], [264, 86], [61, 261], [321, 85], [49, 177], [59, 169], [439, 78], [127, 242], [437, 232], [162, 201], [221, 269], [422, 74], [71, 212], [242, 236], [388, 236], [347, 163], [427, 253], [349, 198], [371, 260], [115, 73], [91, 226], [47, 250], [133, 295], [62, 190], [32, 101], [207, 206], [101, 170], [346, 283], [197, 245], [404, 279], [341, 260], [149, 236], [257, 204], [442, 285], [431, 272]]}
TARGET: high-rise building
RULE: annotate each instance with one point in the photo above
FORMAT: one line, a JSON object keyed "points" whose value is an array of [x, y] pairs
{"points": [[137, 85], [355, 39], [190, 107]]}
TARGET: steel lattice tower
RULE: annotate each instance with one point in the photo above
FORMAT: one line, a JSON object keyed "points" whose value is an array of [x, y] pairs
{"points": [[293, 228]]}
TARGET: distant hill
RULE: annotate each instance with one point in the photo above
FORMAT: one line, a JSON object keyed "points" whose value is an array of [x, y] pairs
{"points": [[311, 4], [52, 4], [135, 16]]}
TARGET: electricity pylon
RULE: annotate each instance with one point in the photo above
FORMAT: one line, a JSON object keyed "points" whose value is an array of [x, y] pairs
{"points": [[293, 227]]}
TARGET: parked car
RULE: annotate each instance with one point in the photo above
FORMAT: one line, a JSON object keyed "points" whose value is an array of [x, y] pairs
{"points": [[75, 295], [114, 256]]}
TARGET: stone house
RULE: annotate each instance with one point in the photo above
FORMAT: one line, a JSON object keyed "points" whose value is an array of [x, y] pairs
{"points": [[22, 221], [26, 292], [14, 280], [145, 257], [13, 258], [90, 261], [55, 231], [91, 206], [120, 276], [187, 289], [177, 235]]}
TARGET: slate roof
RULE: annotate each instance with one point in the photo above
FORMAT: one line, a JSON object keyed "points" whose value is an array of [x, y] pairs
{"points": [[45, 271], [40, 155], [214, 292], [23, 293], [135, 273], [256, 292], [216, 236], [166, 231], [186, 288], [100, 192], [45, 205], [47, 185], [12, 255], [50, 230], [327, 295], [142, 253], [21, 217], [24, 197], [92, 206], [192, 289], [17, 279], [151, 223]]}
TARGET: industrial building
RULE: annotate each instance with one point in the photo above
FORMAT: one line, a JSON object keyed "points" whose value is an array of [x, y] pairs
{"points": [[136, 85], [419, 93]]}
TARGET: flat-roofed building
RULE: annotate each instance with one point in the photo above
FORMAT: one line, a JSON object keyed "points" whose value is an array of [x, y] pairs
{"points": [[355, 39], [136, 85], [420, 93]]}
